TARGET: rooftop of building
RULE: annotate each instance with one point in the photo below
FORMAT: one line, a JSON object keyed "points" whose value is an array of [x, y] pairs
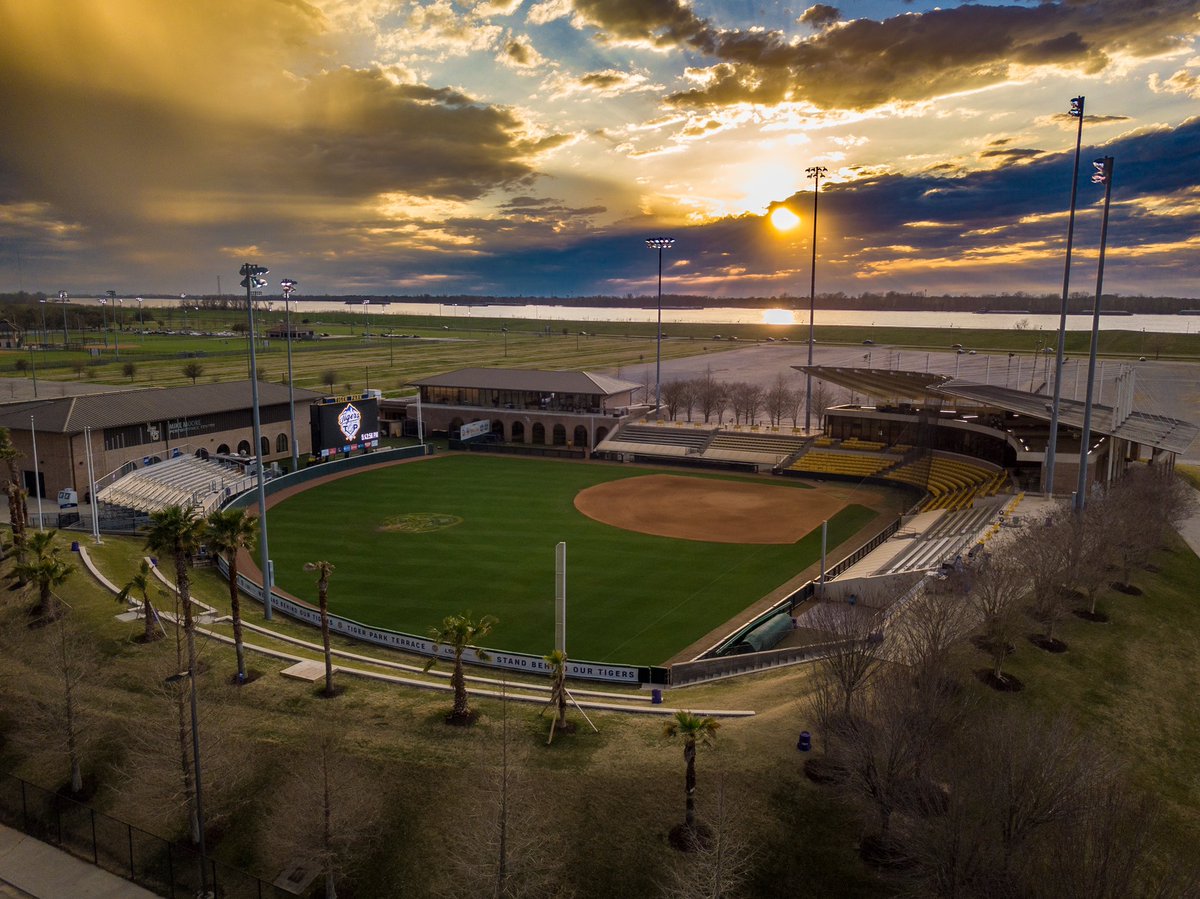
{"points": [[532, 380]]}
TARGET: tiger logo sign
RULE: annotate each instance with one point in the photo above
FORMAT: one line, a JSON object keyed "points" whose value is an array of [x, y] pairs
{"points": [[349, 421]]}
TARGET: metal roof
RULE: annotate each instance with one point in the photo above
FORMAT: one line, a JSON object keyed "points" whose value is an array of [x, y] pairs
{"points": [[70, 415], [1158, 431], [531, 380]]}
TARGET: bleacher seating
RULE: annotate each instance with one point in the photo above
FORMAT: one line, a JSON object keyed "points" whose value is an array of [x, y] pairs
{"points": [[850, 464], [669, 436], [952, 482], [853, 443], [755, 443], [185, 481]]}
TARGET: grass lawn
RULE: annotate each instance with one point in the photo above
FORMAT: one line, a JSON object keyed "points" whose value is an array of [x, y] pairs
{"points": [[1131, 684], [632, 598]]}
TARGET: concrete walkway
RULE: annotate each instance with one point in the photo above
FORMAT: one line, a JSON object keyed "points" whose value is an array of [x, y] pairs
{"points": [[29, 867]]}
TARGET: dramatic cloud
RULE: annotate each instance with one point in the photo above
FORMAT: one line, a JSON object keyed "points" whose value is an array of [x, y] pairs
{"points": [[819, 16], [865, 63]]}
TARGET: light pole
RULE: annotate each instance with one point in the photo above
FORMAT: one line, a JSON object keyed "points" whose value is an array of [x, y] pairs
{"points": [[45, 336], [504, 331], [253, 280], [1103, 175], [287, 285], [62, 299], [815, 172], [117, 340], [1052, 446], [660, 244], [141, 329], [366, 304], [37, 478]]}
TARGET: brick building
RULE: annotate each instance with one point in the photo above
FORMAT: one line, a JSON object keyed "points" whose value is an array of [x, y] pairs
{"points": [[547, 408], [130, 427]]}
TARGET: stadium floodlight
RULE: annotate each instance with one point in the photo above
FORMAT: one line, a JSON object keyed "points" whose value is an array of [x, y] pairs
{"points": [[63, 300], [1103, 175], [816, 172], [660, 244], [252, 279], [1052, 446], [287, 286]]}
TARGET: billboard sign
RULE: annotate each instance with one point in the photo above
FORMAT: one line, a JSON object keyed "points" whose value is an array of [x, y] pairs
{"points": [[475, 429]]}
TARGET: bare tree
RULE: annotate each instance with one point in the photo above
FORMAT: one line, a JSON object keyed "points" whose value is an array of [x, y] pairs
{"points": [[509, 827], [687, 397], [998, 588], [926, 630], [193, 370], [330, 806], [710, 395], [1043, 551], [851, 657], [59, 721], [752, 402], [778, 399], [672, 396], [824, 395]]}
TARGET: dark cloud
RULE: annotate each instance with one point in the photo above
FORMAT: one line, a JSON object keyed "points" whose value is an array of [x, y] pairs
{"points": [[1011, 154], [520, 52], [864, 63], [820, 16]]}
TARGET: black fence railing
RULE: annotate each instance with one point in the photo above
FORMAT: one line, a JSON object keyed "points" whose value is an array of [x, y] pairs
{"points": [[166, 868]]}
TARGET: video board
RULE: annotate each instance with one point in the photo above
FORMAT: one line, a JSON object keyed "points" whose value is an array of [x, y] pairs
{"points": [[344, 424]]}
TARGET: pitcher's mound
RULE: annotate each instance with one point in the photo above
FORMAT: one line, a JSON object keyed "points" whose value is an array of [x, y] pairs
{"points": [[707, 509]]}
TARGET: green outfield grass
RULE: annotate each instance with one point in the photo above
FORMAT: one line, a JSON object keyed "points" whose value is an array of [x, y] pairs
{"points": [[632, 598]]}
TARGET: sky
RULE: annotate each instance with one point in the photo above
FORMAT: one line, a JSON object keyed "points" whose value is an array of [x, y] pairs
{"points": [[529, 147]]}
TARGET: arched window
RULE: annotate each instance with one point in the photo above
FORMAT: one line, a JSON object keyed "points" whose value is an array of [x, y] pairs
{"points": [[223, 449], [539, 433], [601, 433], [560, 435], [266, 446], [244, 448], [580, 438], [498, 429], [455, 426], [281, 443], [518, 432]]}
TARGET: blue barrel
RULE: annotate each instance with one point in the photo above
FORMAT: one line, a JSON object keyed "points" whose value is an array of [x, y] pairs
{"points": [[804, 744], [656, 696], [74, 546]]}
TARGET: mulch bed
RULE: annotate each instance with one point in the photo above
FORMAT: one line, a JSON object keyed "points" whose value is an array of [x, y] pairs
{"points": [[1094, 617], [1127, 589], [1050, 644], [983, 644], [1006, 683], [690, 839], [825, 771]]}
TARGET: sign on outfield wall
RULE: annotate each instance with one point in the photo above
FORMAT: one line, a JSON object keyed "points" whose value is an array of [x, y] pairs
{"points": [[515, 661], [474, 429]]}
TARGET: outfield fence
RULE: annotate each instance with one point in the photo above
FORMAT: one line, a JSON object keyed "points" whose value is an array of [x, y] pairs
{"points": [[166, 868]]}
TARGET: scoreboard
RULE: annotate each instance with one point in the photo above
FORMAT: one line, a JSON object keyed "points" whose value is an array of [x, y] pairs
{"points": [[344, 424]]}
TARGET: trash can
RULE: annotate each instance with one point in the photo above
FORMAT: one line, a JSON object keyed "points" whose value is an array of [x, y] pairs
{"points": [[74, 546], [804, 744], [656, 696]]}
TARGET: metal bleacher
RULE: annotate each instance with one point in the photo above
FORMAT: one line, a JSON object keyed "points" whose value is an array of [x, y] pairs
{"points": [[944, 540], [184, 481]]}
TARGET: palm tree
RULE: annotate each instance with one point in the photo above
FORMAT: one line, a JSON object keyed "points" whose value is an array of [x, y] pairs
{"points": [[175, 531], [557, 661], [47, 570], [230, 531], [324, 569], [694, 731], [140, 582], [459, 632]]}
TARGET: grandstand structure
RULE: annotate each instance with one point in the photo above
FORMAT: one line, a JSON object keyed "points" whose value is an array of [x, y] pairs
{"points": [[189, 481], [960, 439]]}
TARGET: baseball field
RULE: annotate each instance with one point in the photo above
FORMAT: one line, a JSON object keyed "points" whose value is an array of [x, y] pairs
{"points": [[655, 559]]}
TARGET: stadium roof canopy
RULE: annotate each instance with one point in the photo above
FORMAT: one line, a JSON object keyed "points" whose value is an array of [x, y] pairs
{"points": [[1158, 431], [530, 380], [70, 415]]}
